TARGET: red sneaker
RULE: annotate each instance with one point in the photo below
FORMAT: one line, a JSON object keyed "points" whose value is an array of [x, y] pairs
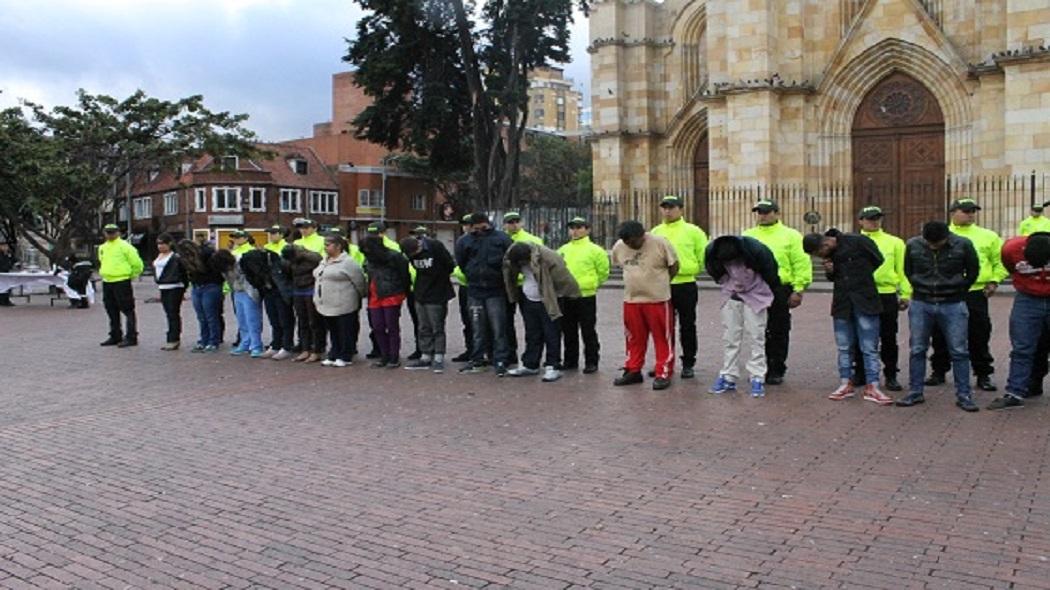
{"points": [[873, 394], [844, 391]]}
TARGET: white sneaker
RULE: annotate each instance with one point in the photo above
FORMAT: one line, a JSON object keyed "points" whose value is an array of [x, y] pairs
{"points": [[281, 355], [551, 374], [522, 371], [327, 363], [340, 363]]}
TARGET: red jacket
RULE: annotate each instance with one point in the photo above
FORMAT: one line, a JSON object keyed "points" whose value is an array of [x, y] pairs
{"points": [[1030, 281]]}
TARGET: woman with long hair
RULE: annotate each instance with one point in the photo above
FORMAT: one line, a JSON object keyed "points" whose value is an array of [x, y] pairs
{"points": [[171, 281], [388, 285], [339, 286], [206, 278]]}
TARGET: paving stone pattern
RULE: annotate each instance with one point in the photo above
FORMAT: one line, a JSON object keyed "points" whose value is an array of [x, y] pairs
{"points": [[138, 468]]}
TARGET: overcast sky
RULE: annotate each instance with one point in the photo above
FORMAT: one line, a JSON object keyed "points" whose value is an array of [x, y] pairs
{"points": [[272, 59]]}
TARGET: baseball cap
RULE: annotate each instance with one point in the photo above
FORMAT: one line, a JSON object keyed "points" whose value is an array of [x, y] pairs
{"points": [[275, 229], [373, 228], [334, 231], [964, 205], [1040, 207], [671, 201], [419, 229], [578, 221], [467, 219], [765, 206], [110, 227], [238, 233], [870, 212], [511, 217]]}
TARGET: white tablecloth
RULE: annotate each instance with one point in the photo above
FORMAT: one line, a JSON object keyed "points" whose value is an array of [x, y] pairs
{"points": [[12, 280]]}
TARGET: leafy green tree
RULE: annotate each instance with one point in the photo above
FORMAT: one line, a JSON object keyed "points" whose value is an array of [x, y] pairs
{"points": [[76, 163], [555, 171], [449, 80]]}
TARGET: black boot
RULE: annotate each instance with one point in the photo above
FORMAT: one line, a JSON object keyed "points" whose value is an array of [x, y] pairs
{"points": [[111, 341], [935, 378], [892, 384], [984, 383]]}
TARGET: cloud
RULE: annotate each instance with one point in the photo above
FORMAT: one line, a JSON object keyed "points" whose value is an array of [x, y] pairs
{"points": [[272, 59]]}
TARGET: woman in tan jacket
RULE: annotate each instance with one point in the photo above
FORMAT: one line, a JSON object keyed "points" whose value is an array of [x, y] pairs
{"points": [[339, 286]]}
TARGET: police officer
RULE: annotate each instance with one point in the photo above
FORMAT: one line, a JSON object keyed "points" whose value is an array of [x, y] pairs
{"points": [[119, 263]]}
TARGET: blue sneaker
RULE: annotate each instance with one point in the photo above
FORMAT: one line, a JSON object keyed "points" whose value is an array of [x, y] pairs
{"points": [[239, 351], [758, 389], [722, 385], [257, 354]]}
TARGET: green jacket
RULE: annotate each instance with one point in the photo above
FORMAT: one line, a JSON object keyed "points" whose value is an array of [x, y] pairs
{"points": [[458, 274], [240, 250], [889, 278], [276, 247], [989, 247], [1030, 225], [314, 243], [588, 263], [796, 268], [689, 242], [524, 236], [118, 261]]}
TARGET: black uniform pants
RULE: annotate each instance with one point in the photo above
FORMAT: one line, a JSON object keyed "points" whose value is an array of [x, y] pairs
{"points": [[579, 318], [464, 317], [512, 331], [684, 298], [171, 301], [119, 298], [282, 321], [980, 332], [778, 332], [888, 349]]}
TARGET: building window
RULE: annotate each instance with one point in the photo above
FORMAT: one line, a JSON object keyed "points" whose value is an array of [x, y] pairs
{"points": [[226, 198], [324, 202], [372, 199], [142, 208], [560, 100], [200, 200], [419, 202], [122, 213], [538, 113], [229, 163], [171, 203], [290, 201], [298, 166], [257, 199]]}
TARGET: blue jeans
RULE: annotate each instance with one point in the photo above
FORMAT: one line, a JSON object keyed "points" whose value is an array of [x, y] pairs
{"points": [[860, 330], [490, 315], [1029, 317], [249, 321], [207, 300], [952, 319]]}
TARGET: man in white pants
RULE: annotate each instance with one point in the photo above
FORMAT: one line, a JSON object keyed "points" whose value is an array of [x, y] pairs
{"points": [[747, 272]]}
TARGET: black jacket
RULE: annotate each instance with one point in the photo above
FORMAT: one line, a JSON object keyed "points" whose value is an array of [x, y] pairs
{"points": [[209, 272], [388, 269], [256, 268], [174, 273], [434, 266], [480, 256], [941, 276], [757, 257], [855, 260], [280, 274], [7, 262], [302, 263]]}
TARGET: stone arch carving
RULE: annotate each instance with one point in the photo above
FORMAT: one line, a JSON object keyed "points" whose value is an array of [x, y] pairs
{"points": [[682, 144], [841, 93], [689, 52]]}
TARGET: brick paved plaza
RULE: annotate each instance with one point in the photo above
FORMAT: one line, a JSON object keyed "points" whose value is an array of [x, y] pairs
{"points": [[139, 468]]}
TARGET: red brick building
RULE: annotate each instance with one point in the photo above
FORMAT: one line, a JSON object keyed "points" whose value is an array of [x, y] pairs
{"points": [[214, 196]]}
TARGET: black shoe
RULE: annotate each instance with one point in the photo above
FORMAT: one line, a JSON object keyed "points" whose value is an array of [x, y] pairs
{"points": [[381, 363], [912, 399], [893, 385], [935, 378], [984, 383], [501, 370], [573, 367], [111, 341], [628, 378], [1005, 403], [651, 373], [774, 379], [688, 373], [1033, 392], [462, 358], [966, 404], [659, 384], [128, 342], [375, 354], [415, 356], [393, 363], [588, 369]]}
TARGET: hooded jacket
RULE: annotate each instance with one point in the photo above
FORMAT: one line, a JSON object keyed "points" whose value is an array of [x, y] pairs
{"points": [[480, 256], [756, 256], [550, 271], [118, 261], [388, 270], [433, 265]]}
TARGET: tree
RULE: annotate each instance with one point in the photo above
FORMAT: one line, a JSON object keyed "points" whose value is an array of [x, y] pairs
{"points": [[555, 171], [452, 88], [73, 164]]}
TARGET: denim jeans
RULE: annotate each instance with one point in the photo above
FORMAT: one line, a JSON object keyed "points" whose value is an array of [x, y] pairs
{"points": [[249, 321], [207, 300], [860, 330], [489, 315], [541, 334], [1029, 318], [952, 320]]}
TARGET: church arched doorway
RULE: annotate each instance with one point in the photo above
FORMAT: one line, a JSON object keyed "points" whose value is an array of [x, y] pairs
{"points": [[701, 182], [898, 154]]}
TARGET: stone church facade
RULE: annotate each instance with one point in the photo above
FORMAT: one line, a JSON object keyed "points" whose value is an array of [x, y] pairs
{"points": [[698, 95]]}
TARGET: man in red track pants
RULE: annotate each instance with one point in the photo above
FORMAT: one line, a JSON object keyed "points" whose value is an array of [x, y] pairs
{"points": [[648, 263]]}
